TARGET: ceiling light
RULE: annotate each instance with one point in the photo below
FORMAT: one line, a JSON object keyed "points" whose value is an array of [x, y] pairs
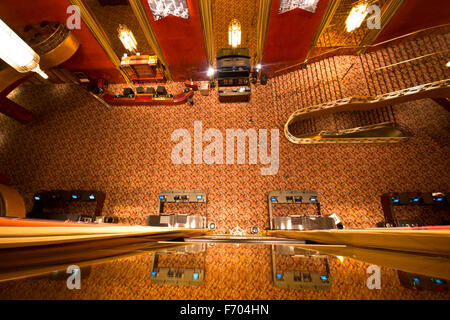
{"points": [[15, 52], [234, 33], [127, 38], [356, 17]]}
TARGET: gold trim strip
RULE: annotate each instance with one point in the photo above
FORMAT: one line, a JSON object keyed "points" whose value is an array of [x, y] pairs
{"points": [[144, 22], [205, 7], [261, 30]]}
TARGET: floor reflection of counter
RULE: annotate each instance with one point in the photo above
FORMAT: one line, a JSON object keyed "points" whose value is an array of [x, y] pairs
{"points": [[302, 278], [189, 272]]}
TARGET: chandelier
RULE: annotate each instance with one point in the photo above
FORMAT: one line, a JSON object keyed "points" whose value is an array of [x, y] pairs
{"points": [[15, 52], [127, 38], [356, 17], [234, 33]]}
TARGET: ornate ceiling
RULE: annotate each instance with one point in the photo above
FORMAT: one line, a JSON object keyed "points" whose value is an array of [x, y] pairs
{"points": [[289, 37]]}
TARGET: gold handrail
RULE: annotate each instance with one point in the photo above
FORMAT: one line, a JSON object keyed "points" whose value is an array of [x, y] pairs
{"points": [[436, 89], [443, 26]]}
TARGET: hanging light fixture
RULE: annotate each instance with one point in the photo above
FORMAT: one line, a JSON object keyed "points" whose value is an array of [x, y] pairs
{"points": [[234, 33], [127, 38], [356, 16], [15, 52]]}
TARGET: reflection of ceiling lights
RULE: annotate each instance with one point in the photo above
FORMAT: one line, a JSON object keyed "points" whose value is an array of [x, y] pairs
{"points": [[127, 38], [356, 17], [234, 33], [164, 8], [288, 5], [15, 52]]}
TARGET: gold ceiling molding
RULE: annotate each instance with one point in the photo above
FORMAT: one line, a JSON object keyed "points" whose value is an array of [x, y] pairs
{"points": [[207, 29], [387, 13], [263, 24], [92, 23], [328, 15], [142, 17]]}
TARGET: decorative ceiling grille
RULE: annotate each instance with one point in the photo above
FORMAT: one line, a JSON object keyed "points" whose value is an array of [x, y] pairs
{"points": [[164, 8], [288, 5]]}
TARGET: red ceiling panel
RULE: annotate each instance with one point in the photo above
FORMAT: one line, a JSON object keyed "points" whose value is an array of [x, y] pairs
{"points": [[415, 15], [290, 35], [181, 41], [90, 57]]}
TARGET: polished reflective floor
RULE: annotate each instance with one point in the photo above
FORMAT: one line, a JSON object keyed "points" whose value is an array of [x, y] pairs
{"points": [[214, 270]]}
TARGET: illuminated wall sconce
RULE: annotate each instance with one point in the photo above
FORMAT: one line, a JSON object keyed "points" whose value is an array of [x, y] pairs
{"points": [[15, 52], [258, 67], [234, 33], [210, 72], [127, 38], [356, 16]]}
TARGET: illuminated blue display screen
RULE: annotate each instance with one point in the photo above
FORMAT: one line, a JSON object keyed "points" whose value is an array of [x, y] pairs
{"points": [[396, 200], [153, 274], [324, 278], [199, 197], [37, 198], [161, 197], [273, 199], [74, 196], [279, 276], [195, 276]]}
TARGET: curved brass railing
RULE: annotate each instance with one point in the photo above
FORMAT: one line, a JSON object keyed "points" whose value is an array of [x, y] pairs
{"points": [[382, 132]]}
